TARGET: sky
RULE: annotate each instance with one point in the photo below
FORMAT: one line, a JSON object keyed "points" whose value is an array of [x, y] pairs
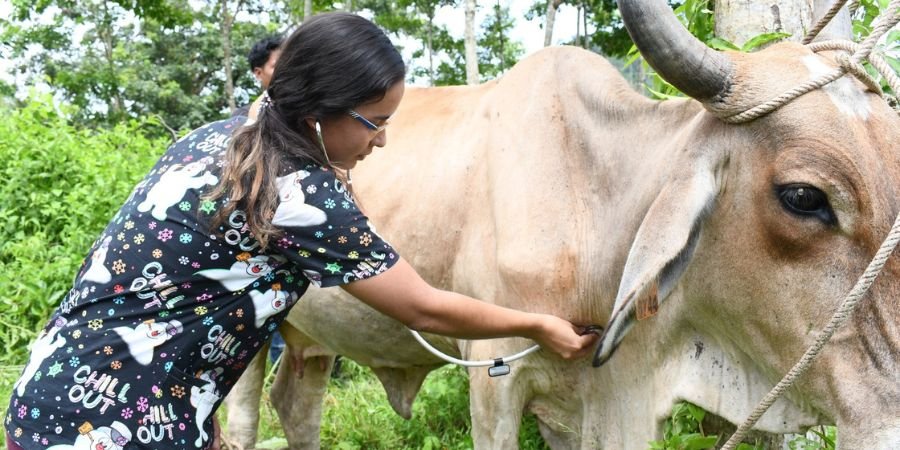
{"points": [[529, 33]]}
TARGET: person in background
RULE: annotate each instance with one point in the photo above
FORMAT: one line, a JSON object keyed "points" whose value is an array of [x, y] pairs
{"points": [[262, 58]]}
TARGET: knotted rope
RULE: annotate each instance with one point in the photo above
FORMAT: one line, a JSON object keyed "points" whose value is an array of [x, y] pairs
{"points": [[851, 65]]}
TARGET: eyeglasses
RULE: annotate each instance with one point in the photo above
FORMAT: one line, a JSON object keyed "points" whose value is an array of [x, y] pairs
{"points": [[367, 122]]}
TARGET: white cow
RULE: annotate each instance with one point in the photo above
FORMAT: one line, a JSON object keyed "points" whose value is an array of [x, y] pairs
{"points": [[558, 189]]}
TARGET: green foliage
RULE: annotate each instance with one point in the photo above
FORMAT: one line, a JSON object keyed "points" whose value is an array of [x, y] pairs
{"points": [[8, 376], [496, 52], [683, 430], [864, 15], [608, 35], [862, 20], [61, 186], [825, 439], [697, 16], [117, 60], [699, 19], [357, 414], [752, 44]]}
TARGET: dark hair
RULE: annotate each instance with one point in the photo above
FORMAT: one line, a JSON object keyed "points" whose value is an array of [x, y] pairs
{"points": [[261, 50], [332, 63]]}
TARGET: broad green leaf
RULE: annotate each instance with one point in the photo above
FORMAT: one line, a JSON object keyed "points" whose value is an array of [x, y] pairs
{"points": [[763, 39], [722, 44]]}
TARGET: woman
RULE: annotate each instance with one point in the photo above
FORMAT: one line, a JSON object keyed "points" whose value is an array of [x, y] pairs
{"points": [[221, 238]]}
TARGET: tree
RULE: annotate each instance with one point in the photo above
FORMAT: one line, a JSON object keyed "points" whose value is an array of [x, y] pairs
{"points": [[226, 25], [471, 44], [416, 19], [179, 74], [739, 21], [552, 7], [113, 63], [431, 32], [498, 53], [608, 37]]}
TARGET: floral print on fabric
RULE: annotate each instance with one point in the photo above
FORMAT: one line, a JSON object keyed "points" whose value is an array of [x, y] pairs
{"points": [[166, 313]]}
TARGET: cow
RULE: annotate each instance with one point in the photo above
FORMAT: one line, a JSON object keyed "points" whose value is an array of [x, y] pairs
{"points": [[559, 189]]}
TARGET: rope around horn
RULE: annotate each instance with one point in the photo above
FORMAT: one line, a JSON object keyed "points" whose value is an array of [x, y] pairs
{"points": [[874, 268], [850, 65]]}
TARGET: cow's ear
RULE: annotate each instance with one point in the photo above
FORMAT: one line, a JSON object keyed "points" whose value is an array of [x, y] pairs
{"points": [[662, 248]]}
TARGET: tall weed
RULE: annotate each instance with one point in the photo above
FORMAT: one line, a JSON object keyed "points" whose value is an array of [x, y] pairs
{"points": [[61, 184]]}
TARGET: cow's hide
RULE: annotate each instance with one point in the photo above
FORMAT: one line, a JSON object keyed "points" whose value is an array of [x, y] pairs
{"points": [[560, 190]]}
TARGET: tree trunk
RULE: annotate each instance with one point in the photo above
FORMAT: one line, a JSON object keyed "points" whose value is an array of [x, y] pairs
{"points": [[552, 6], [430, 44], [307, 9], [578, 25], [738, 21], [500, 36], [584, 39], [471, 44], [840, 26], [105, 32], [227, 22]]}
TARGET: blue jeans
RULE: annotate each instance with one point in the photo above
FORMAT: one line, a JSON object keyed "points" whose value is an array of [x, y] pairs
{"points": [[276, 347]]}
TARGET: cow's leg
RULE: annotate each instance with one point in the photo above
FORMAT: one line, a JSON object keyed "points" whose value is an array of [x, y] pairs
{"points": [[243, 404], [496, 404], [299, 388]]}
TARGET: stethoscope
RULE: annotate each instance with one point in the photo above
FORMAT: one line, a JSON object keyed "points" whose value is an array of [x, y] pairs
{"points": [[497, 366]]}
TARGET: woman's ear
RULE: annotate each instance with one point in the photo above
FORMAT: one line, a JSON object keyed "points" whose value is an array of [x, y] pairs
{"points": [[310, 122]]}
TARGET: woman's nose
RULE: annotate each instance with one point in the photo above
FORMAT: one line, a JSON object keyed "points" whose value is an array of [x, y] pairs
{"points": [[380, 139]]}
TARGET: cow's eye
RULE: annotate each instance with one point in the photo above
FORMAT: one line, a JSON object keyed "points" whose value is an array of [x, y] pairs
{"points": [[805, 200]]}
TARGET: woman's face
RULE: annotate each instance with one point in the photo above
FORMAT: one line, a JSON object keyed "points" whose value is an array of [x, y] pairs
{"points": [[348, 140]]}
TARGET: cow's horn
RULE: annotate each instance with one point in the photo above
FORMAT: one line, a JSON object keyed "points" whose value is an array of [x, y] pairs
{"points": [[678, 57]]}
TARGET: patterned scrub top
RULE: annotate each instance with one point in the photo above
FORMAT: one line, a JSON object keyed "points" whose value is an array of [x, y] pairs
{"points": [[165, 315]]}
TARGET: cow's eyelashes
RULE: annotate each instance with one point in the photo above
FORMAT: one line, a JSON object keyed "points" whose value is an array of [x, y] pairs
{"points": [[805, 200]]}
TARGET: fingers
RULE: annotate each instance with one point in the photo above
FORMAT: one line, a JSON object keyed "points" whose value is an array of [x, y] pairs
{"points": [[590, 329], [567, 340], [586, 345]]}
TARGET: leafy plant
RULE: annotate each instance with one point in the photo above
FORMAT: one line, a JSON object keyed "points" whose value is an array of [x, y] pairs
{"points": [[61, 186], [863, 17], [684, 430], [699, 19], [823, 438]]}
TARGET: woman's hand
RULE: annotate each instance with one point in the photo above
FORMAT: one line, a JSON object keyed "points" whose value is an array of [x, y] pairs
{"points": [[563, 338], [401, 293]]}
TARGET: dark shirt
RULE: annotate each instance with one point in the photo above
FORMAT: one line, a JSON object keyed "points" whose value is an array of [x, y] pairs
{"points": [[241, 111], [166, 313]]}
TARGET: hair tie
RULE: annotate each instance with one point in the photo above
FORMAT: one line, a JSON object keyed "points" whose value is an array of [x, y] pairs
{"points": [[266, 101]]}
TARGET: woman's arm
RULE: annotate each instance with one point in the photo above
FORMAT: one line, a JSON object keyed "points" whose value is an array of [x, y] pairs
{"points": [[402, 294]]}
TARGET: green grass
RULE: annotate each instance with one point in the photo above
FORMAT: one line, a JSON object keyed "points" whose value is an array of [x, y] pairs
{"points": [[357, 415]]}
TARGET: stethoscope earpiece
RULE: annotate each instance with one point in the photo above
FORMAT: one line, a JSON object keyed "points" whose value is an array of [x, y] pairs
{"points": [[325, 152], [322, 141]]}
